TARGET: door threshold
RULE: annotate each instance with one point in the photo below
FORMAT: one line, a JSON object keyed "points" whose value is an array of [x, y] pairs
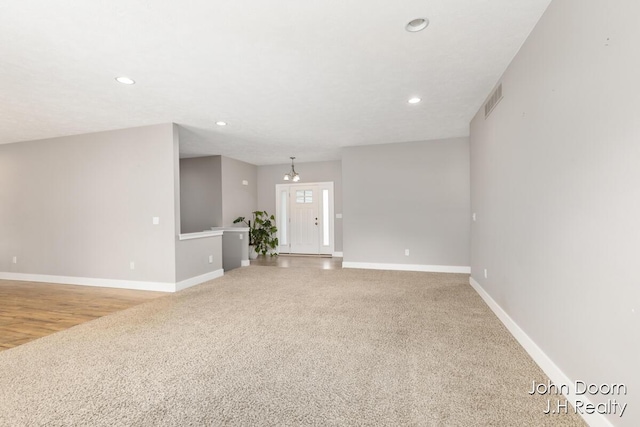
{"points": [[308, 255]]}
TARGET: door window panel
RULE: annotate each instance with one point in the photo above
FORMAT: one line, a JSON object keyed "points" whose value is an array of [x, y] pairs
{"points": [[284, 217], [304, 196], [325, 217]]}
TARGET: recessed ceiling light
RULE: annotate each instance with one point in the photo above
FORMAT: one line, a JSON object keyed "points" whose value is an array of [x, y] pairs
{"points": [[221, 123], [125, 80], [414, 100], [417, 24]]}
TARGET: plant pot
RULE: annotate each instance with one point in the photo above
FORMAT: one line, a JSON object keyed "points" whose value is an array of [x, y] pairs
{"points": [[252, 252]]}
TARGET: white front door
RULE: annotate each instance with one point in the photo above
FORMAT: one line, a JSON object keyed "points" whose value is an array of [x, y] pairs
{"points": [[304, 220], [304, 217]]}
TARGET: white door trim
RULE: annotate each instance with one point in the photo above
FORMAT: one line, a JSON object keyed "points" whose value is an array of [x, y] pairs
{"points": [[284, 244]]}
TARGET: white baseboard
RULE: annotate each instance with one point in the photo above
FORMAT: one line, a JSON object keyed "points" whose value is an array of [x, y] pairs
{"points": [[89, 281], [199, 279], [245, 263], [554, 373], [337, 255], [112, 283], [408, 267]]}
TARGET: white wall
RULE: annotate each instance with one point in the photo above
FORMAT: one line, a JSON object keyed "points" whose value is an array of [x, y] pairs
{"points": [[555, 173], [82, 206], [407, 196]]}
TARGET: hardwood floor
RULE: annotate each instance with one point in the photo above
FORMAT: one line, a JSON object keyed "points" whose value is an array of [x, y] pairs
{"points": [[308, 261], [30, 310]]}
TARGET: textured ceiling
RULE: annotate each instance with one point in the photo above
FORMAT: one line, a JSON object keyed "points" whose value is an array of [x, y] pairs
{"points": [[290, 77]]}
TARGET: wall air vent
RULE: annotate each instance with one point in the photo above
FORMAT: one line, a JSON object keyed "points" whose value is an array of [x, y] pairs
{"points": [[493, 100]]}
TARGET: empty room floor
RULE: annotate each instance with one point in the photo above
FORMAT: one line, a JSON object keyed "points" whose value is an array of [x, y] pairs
{"points": [[284, 346], [31, 310]]}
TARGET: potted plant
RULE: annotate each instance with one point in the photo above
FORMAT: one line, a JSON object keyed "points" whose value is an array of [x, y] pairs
{"points": [[262, 234]]}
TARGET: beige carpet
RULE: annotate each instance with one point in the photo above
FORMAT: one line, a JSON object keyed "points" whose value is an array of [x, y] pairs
{"points": [[275, 346]]}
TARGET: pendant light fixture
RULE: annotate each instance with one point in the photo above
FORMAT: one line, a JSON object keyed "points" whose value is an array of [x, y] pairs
{"points": [[293, 175]]}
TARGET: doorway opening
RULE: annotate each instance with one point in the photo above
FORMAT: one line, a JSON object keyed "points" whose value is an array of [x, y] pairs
{"points": [[305, 215]]}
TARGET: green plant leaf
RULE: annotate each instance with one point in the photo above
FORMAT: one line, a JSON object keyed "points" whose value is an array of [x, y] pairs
{"points": [[263, 232]]}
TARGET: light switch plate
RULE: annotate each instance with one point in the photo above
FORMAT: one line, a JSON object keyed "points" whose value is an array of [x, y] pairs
{"points": [[156, 220], [339, 216]]}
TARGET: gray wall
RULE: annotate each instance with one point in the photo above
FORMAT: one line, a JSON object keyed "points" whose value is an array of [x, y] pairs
{"points": [[407, 196], [269, 176], [238, 199], [555, 173], [192, 257], [235, 249], [83, 205], [200, 193]]}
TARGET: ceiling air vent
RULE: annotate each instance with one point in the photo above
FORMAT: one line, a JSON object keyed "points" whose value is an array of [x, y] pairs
{"points": [[493, 100]]}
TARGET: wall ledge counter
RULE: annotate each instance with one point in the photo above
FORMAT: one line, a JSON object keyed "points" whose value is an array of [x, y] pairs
{"points": [[200, 234], [231, 229]]}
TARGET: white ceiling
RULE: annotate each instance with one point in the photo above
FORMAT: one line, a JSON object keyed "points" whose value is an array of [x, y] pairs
{"points": [[291, 77]]}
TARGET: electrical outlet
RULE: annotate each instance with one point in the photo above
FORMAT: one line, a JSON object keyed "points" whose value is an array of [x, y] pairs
{"points": [[485, 273], [241, 236], [132, 265], [210, 259], [245, 182], [406, 252], [155, 220], [474, 217], [15, 260]]}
